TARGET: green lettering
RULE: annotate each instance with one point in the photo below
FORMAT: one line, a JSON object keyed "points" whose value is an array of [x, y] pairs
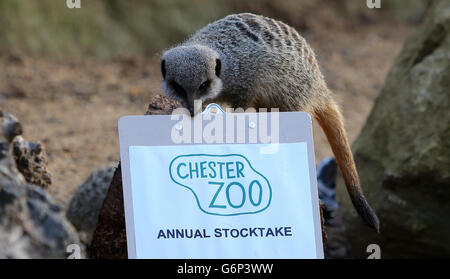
{"points": [[228, 194], [250, 193], [178, 171], [212, 169], [220, 167], [215, 196], [191, 170], [202, 169], [229, 170], [239, 169]]}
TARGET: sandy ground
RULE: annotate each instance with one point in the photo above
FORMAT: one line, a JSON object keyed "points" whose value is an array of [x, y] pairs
{"points": [[73, 106]]}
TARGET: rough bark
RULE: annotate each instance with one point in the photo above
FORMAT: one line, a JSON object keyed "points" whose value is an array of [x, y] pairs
{"points": [[109, 239]]}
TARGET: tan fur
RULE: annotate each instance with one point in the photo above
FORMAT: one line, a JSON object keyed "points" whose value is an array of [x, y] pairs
{"points": [[331, 121]]}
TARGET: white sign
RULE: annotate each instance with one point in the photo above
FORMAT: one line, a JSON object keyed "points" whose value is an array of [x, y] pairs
{"points": [[219, 201]]}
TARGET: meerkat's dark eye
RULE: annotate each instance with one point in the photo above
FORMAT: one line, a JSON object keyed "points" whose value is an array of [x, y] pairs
{"points": [[178, 89], [218, 67], [204, 86], [163, 68]]}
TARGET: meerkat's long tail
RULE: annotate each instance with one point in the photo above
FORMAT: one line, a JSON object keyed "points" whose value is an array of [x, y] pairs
{"points": [[331, 121]]}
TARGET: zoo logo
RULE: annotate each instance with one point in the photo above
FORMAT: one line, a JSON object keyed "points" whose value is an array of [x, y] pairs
{"points": [[223, 185]]}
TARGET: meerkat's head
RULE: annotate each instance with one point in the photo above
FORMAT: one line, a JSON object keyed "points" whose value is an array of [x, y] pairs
{"points": [[191, 73]]}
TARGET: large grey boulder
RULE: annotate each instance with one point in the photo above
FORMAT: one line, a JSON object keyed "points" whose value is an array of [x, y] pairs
{"points": [[32, 225], [9, 128], [87, 201], [403, 151]]}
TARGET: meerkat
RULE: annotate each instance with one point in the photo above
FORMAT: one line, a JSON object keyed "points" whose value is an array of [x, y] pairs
{"points": [[247, 60]]}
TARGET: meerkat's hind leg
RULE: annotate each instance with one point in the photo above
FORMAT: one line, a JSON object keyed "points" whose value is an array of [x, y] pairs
{"points": [[330, 119]]}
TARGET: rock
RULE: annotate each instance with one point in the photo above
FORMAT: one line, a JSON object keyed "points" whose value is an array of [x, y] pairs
{"points": [[403, 151], [21, 160], [335, 244], [161, 105], [85, 205], [110, 239], [326, 184], [9, 129], [32, 225], [31, 162]]}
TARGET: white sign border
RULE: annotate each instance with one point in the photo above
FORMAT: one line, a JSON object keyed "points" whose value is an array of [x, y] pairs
{"points": [[294, 127]]}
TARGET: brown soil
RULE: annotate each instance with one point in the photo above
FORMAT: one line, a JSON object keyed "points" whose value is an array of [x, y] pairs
{"points": [[73, 106]]}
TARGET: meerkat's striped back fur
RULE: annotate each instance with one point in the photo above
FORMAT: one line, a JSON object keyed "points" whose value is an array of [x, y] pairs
{"points": [[246, 60]]}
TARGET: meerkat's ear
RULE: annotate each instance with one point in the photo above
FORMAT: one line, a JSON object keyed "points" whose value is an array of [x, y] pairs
{"points": [[218, 67], [163, 68]]}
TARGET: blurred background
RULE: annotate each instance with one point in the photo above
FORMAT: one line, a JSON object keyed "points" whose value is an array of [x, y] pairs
{"points": [[68, 75]]}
